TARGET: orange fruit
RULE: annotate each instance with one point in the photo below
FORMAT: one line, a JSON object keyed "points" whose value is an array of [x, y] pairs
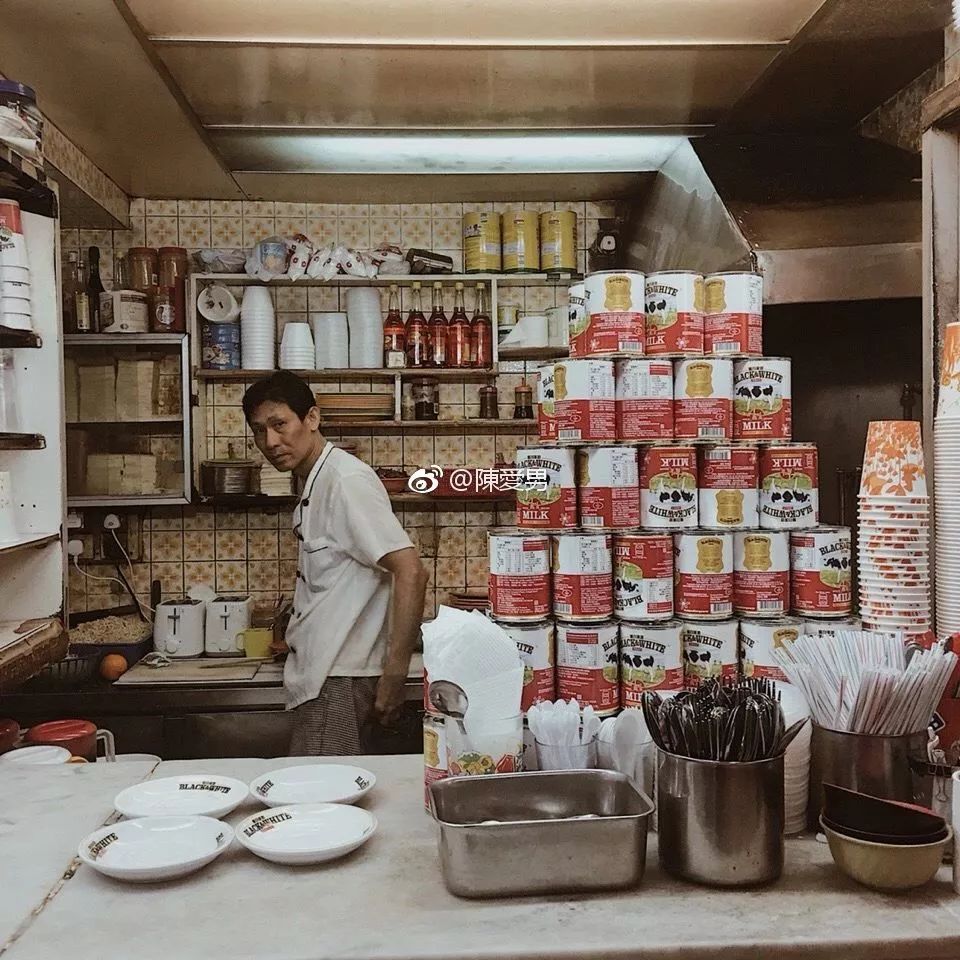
{"points": [[113, 666]]}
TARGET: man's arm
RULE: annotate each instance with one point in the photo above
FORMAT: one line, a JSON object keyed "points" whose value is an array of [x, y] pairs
{"points": [[409, 591]]}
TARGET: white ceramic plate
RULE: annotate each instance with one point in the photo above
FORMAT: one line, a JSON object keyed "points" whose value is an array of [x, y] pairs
{"points": [[307, 833], [313, 783], [155, 848], [41, 754], [198, 795]]}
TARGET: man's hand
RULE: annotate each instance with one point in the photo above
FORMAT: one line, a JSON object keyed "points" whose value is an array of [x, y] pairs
{"points": [[390, 698]]}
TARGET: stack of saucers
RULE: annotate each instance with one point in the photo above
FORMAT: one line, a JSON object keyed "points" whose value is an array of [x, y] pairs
{"points": [[15, 310], [946, 459], [296, 347], [258, 330], [894, 539]]}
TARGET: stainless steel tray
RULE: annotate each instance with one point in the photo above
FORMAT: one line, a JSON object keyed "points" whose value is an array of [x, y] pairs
{"points": [[532, 833]]}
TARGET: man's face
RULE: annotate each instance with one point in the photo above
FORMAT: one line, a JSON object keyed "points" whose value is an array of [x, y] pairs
{"points": [[281, 436]]}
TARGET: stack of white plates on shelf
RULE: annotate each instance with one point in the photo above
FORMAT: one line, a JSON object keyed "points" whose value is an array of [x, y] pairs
{"points": [[15, 309], [365, 320], [332, 340], [894, 538], [258, 330], [273, 483], [296, 347], [946, 458]]}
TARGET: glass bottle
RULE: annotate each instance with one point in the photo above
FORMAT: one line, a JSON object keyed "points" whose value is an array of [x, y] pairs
{"points": [[481, 332], [94, 287], [121, 275], [438, 328], [394, 333], [81, 300], [458, 333], [70, 294], [417, 331]]}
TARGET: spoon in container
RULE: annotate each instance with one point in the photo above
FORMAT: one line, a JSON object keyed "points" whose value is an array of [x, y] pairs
{"points": [[451, 700]]}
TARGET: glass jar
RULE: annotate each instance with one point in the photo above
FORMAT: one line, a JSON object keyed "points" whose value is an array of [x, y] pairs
{"points": [[425, 404]]}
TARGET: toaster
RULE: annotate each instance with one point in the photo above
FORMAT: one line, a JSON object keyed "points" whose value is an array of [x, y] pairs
{"points": [[227, 618], [178, 627]]}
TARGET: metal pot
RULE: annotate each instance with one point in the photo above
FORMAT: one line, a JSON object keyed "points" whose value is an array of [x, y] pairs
{"points": [[229, 476]]}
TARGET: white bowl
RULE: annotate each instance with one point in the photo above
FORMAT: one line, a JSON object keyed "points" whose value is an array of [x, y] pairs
{"points": [[201, 795], [10, 273], [16, 321], [313, 783], [155, 848], [43, 754], [306, 833]]}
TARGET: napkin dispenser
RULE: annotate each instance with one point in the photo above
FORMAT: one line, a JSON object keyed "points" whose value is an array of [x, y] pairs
{"points": [[227, 618], [178, 627]]}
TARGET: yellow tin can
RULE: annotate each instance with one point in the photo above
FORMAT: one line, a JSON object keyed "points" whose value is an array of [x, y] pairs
{"points": [[481, 242], [521, 241], [558, 240]]}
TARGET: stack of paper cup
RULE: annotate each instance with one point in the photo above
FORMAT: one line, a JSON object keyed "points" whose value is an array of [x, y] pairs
{"points": [[15, 311], [296, 347], [258, 330], [365, 320], [946, 459], [894, 538], [332, 340]]}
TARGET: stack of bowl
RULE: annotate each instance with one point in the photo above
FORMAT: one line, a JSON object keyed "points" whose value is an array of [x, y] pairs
{"points": [[258, 330], [880, 843], [15, 310], [296, 347], [946, 458]]}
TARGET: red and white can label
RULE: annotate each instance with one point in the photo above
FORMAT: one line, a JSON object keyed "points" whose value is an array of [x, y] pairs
{"points": [[674, 313], [703, 578], [643, 576], [703, 399], [822, 568], [709, 652], [762, 404], [536, 646], [651, 658], [434, 754], [668, 487], [789, 487], [758, 640], [588, 665], [585, 398], [761, 573], [644, 404], [608, 487], [733, 317], [519, 585], [615, 322], [546, 406], [728, 481], [582, 576], [547, 492]]}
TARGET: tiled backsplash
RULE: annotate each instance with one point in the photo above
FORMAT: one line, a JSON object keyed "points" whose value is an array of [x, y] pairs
{"points": [[254, 550]]}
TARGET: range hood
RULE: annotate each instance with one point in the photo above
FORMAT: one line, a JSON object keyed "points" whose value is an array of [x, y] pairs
{"points": [[824, 218]]}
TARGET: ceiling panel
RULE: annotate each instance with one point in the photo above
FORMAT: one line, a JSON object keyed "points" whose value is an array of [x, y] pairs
{"points": [[462, 88], [478, 21]]}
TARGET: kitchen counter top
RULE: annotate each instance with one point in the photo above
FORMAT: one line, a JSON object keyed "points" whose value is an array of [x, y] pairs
{"points": [[387, 901]]}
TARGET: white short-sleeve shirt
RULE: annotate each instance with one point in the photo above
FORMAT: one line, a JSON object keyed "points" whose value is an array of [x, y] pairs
{"points": [[341, 605]]}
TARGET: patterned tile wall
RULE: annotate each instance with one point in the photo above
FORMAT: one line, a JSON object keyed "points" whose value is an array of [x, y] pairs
{"points": [[254, 550]]}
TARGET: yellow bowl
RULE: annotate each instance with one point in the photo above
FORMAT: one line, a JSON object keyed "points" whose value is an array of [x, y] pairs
{"points": [[886, 866]]}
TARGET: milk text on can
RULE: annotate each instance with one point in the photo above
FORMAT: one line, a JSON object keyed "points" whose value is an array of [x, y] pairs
{"points": [[536, 646], [651, 658], [728, 480], [481, 242], [674, 312], [668, 487], [821, 564], [643, 576], [521, 241], [789, 486], [519, 584], [615, 317], [558, 240], [547, 493], [758, 640], [546, 405], [733, 315], [703, 575], [761, 573], [703, 399], [644, 400], [608, 487], [588, 665], [582, 576], [585, 401], [762, 399], [434, 754], [709, 652]]}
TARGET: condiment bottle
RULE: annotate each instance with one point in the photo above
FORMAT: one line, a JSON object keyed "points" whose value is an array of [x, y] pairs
{"points": [[417, 332], [81, 300], [70, 294], [489, 403], [523, 402], [438, 328], [458, 333], [94, 287], [425, 406], [481, 332], [394, 333]]}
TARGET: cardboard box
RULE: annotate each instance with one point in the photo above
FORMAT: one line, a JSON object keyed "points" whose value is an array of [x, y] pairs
{"points": [[136, 389], [71, 389], [98, 397]]}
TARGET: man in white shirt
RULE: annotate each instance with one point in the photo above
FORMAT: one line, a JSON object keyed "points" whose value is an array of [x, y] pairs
{"points": [[358, 601]]}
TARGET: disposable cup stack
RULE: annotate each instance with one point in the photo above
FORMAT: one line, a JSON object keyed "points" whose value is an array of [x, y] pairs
{"points": [[15, 302], [946, 459], [332, 340], [297, 351], [365, 321], [894, 536], [258, 330]]}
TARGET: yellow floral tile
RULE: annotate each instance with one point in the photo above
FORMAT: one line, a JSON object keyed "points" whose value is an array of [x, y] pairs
{"points": [[97, 238], [506, 447], [415, 233], [598, 208], [289, 545], [195, 232], [138, 207], [322, 230], [418, 516], [231, 576], [291, 226], [450, 451], [229, 448], [193, 208], [256, 229], [322, 210], [473, 207], [540, 206], [199, 518], [285, 208], [264, 519], [231, 545], [353, 210], [226, 232], [162, 232], [451, 393], [387, 451], [441, 211], [417, 451], [510, 296], [166, 545], [451, 518], [480, 450], [161, 208], [198, 545], [263, 575], [452, 572], [364, 447], [291, 299], [387, 211], [258, 208], [228, 394], [430, 605], [415, 211], [170, 576], [288, 576], [262, 545], [476, 542], [507, 518], [452, 542], [478, 571], [228, 422], [226, 208], [231, 520], [539, 299], [354, 234], [447, 235], [166, 518], [478, 516], [325, 299]]}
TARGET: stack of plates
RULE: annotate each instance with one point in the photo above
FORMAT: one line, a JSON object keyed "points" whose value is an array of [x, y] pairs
{"points": [[258, 330], [469, 600], [332, 340], [15, 309], [946, 458], [273, 483], [296, 347], [355, 406], [365, 320], [894, 538]]}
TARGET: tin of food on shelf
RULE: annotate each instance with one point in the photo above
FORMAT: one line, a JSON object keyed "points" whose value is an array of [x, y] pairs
{"points": [[674, 312], [582, 576], [703, 399], [643, 576], [789, 486], [821, 568], [728, 483], [521, 241], [761, 573], [762, 399], [547, 493], [644, 400], [733, 315], [758, 640], [668, 486], [519, 585], [546, 406], [608, 488], [588, 665], [615, 323], [434, 753], [481, 242], [537, 648], [558, 240], [709, 652], [585, 401], [703, 574], [651, 658]]}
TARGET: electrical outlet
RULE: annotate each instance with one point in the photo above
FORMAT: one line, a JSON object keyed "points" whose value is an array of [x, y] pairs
{"points": [[111, 522]]}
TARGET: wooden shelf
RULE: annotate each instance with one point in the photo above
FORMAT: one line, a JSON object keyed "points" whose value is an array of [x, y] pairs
{"points": [[27, 540], [24, 652], [242, 501], [132, 500], [504, 279], [22, 441], [475, 424], [427, 498], [353, 373], [533, 353], [139, 420], [10, 338], [121, 339]]}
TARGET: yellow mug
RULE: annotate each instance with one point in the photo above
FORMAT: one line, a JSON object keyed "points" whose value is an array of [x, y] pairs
{"points": [[257, 642]]}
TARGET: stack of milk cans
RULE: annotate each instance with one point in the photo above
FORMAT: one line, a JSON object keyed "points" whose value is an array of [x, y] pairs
{"points": [[667, 523]]}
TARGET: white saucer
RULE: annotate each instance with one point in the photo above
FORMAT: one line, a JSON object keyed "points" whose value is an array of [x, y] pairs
{"points": [[40, 754], [313, 783], [198, 795]]}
